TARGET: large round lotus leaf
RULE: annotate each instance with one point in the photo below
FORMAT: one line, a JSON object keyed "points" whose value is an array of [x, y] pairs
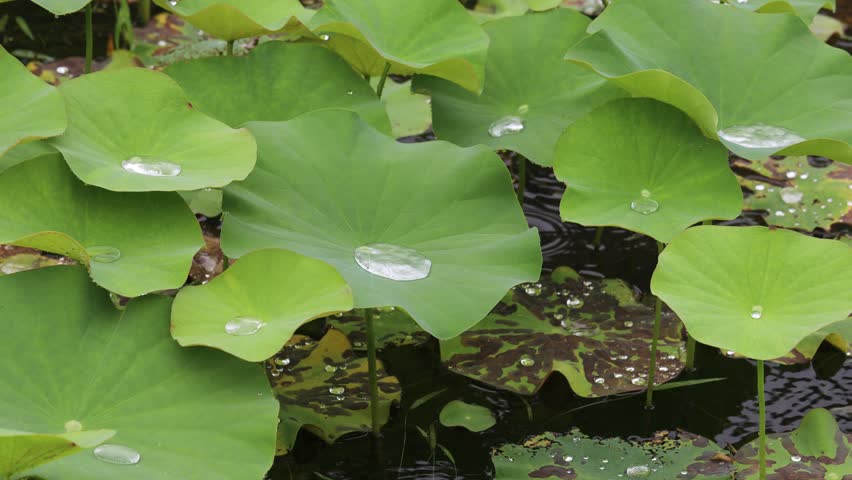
{"points": [[475, 418], [576, 456], [255, 306], [796, 194], [766, 86], [277, 81], [593, 332], [817, 449], [132, 244], [324, 387], [234, 19], [527, 83], [756, 291], [393, 327], [62, 7], [29, 108], [72, 358], [435, 37], [147, 136], [22, 451], [328, 184], [643, 165]]}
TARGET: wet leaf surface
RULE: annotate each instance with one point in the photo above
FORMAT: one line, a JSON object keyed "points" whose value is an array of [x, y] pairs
{"points": [[394, 328], [593, 332], [323, 386]]}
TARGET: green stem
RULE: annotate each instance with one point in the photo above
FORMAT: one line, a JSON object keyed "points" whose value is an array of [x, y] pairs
{"points": [[690, 352], [598, 237], [229, 49], [652, 364], [90, 37], [381, 87], [371, 365], [521, 169], [761, 399], [145, 11]]}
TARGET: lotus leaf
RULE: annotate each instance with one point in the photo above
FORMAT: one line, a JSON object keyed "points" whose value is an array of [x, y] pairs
{"points": [[410, 113], [55, 212], [393, 327], [837, 334], [488, 10], [277, 81], [121, 370], [576, 456], [798, 195], [26, 151], [643, 165], [235, 19], [767, 86], [207, 201], [527, 81], [29, 108], [255, 306], [475, 418], [327, 184], [165, 145], [817, 449], [753, 290], [323, 387], [62, 7], [806, 9], [593, 332], [22, 451], [435, 37]]}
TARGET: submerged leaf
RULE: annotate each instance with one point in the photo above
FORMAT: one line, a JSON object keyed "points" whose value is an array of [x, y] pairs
{"points": [[22, 451], [593, 332], [235, 19], [324, 387], [475, 418]]}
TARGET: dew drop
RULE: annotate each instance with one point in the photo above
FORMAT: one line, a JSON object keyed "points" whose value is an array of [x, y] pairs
{"points": [[760, 187], [242, 326], [574, 302], [393, 261], [117, 454], [103, 254], [73, 426], [173, 3], [756, 312], [567, 459], [791, 196], [527, 361], [324, 37], [506, 126], [600, 380], [151, 168], [796, 458], [760, 136], [638, 381], [628, 324], [62, 70], [330, 368], [532, 291], [791, 174], [630, 369], [645, 204], [350, 92], [638, 471], [663, 369], [336, 390]]}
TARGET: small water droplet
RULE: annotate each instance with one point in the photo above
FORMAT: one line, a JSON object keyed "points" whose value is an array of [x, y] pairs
{"points": [[330, 368], [779, 213], [600, 380], [756, 312], [791, 196], [117, 454], [730, 353], [173, 3], [760, 136], [567, 459], [73, 426], [62, 70], [630, 369], [242, 326], [638, 381], [282, 361], [523, 109], [791, 174], [103, 254], [324, 37], [628, 324], [532, 291], [644, 204], [760, 187], [393, 261], [336, 390], [506, 126], [574, 302], [796, 458], [663, 369], [527, 361], [350, 92], [638, 471], [151, 168]]}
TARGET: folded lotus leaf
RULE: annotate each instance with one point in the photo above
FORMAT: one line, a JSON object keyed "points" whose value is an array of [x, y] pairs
{"points": [[766, 86], [235, 19], [593, 332]]}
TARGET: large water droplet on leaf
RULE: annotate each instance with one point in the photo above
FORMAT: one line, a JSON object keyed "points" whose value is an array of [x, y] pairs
{"points": [[791, 196], [644, 204], [242, 326], [117, 454], [760, 136], [393, 262], [103, 254], [151, 168], [506, 126], [73, 426]]}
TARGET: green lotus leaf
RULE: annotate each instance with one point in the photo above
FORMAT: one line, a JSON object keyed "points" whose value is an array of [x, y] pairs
{"points": [[56, 213], [243, 311], [754, 290], [410, 113], [21, 262], [207, 201], [475, 418], [531, 94], [837, 334], [435, 37], [235, 19], [488, 10], [323, 387], [593, 332], [433, 220], [816, 449], [806, 9], [29, 108], [767, 86], [121, 370], [393, 327], [798, 195], [277, 81], [22, 451], [27, 151], [62, 7], [576, 456], [643, 165], [165, 145]]}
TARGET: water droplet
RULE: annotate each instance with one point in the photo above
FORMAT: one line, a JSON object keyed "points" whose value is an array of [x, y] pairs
{"points": [[638, 381], [779, 213], [62, 70], [173, 3], [117, 454], [393, 261], [628, 324], [645, 204], [336, 390], [730, 353], [790, 195], [73, 426], [324, 37], [756, 312], [574, 302], [523, 109], [760, 136], [760, 187], [638, 471], [330, 368], [350, 92], [527, 361], [532, 291], [791, 174], [162, 43], [630, 369], [796, 458], [506, 126], [282, 361], [242, 326], [567, 459], [151, 168], [600, 380], [663, 369]]}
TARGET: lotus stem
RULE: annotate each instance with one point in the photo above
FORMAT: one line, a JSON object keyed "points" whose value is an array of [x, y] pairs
{"points": [[371, 365], [652, 363], [690, 352], [521, 170], [381, 87], [90, 37], [598, 237], [229, 48], [761, 400], [145, 11]]}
